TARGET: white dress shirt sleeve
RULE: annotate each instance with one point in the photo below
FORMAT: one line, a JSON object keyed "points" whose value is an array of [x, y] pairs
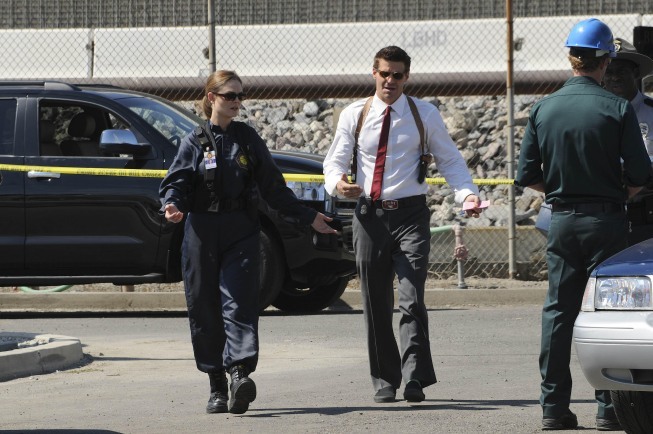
{"points": [[448, 159], [338, 159]]}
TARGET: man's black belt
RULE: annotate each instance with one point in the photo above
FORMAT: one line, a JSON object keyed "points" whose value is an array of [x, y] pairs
{"points": [[404, 202], [588, 208]]}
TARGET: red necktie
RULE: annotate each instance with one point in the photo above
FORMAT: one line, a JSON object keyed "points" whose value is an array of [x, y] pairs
{"points": [[377, 180]]}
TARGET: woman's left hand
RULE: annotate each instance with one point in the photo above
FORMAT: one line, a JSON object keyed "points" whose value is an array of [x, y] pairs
{"points": [[320, 224]]}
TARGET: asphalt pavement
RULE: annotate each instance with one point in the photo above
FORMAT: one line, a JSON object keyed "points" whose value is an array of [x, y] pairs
{"points": [[138, 375], [23, 354]]}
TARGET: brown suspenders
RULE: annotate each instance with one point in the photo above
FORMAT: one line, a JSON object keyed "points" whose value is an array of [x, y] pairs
{"points": [[361, 120], [359, 126]]}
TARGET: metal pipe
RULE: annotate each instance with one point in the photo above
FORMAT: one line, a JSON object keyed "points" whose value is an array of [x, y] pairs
{"points": [[461, 275], [349, 86], [211, 23], [90, 53], [512, 266], [440, 229], [460, 253]]}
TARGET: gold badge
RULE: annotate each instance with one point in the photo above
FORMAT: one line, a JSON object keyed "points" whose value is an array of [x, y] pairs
{"points": [[241, 159]]}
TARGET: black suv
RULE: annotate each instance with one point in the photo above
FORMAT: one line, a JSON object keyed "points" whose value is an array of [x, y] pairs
{"points": [[62, 227]]}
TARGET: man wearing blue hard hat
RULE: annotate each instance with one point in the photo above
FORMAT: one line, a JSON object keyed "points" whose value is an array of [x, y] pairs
{"points": [[572, 150]]}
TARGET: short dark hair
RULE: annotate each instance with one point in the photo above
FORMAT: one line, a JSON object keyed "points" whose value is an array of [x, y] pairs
{"points": [[392, 54]]}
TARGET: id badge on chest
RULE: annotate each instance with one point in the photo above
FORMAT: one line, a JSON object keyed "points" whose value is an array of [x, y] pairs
{"points": [[209, 158]]}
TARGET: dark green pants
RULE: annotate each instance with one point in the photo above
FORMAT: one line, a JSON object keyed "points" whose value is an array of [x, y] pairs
{"points": [[577, 243]]}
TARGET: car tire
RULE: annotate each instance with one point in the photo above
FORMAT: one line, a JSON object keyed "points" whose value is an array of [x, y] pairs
{"points": [[312, 299], [272, 270], [634, 410]]}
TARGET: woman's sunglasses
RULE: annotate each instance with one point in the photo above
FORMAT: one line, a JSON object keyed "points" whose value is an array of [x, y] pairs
{"points": [[395, 75], [231, 96]]}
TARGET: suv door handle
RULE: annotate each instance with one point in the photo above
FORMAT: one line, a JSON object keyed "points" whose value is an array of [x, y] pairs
{"points": [[49, 175]]}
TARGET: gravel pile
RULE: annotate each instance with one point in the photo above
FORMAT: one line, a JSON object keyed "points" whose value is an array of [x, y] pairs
{"points": [[477, 124]]}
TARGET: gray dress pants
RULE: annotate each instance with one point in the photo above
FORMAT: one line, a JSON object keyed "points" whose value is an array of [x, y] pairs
{"points": [[391, 243]]}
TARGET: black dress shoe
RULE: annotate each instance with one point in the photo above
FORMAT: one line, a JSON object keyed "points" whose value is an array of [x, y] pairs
{"points": [[243, 390], [566, 421], [386, 394], [608, 424], [413, 392]]}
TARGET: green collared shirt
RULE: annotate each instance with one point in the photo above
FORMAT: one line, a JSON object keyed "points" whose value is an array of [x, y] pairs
{"points": [[585, 144]]}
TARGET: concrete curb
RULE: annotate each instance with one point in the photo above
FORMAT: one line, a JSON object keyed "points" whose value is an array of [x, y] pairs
{"points": [[47, 353], [134, 302]]}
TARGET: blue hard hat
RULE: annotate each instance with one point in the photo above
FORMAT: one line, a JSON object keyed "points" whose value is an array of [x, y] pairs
{"points": [[592, 34]]}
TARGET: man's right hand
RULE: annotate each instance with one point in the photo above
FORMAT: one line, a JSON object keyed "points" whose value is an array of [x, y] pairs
{"points": [[351, 191], [173, 215], [632, 191]]}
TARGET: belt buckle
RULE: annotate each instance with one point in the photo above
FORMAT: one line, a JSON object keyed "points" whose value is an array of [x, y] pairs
{"points": [[389, 204]]}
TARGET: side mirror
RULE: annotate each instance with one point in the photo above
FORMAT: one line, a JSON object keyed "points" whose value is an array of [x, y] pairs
{"points": [[115, 142]]}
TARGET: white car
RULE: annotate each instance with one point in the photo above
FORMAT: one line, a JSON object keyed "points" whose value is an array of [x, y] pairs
{"points": [[613, 334]]}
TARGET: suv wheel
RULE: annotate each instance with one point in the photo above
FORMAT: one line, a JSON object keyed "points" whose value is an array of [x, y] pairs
{"points": [[272, 270], [634, 410], [312, 299]]}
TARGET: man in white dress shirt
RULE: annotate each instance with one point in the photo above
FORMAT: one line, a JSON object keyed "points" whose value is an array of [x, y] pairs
{"points": [[391, 223]]}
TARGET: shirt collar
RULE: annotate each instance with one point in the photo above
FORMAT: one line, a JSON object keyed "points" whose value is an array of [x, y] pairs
{"points": [[581, 79], [217, 129], [378, 106], [638, 100]]}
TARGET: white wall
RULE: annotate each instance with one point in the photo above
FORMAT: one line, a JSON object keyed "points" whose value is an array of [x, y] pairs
{"points": [[28, 54], [454, 46]]}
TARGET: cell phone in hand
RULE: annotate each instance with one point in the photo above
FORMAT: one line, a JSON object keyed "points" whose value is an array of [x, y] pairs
{"points": [[470, 205]]}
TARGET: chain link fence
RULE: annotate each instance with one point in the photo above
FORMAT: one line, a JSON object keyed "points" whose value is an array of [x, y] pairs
{"points": [[302, 61]]}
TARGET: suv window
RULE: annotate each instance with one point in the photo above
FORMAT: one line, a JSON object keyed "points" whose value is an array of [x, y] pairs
{"points": [[73, 129], [171, 122], [7, 125]]}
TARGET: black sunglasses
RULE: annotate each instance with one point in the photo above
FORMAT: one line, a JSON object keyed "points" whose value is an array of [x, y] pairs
{"points": [[395, 75], [231, 96]]}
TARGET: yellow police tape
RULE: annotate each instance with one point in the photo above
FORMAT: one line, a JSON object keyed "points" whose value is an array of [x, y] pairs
{"points": [[149, 173], [98, 171]]}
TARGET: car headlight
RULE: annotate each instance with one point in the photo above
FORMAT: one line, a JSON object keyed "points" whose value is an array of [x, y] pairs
{"points": [[617, 293], [307, 190]]}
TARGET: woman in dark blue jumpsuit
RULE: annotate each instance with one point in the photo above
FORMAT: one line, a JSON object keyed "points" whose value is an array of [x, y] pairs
{"points": [[213, 180]]}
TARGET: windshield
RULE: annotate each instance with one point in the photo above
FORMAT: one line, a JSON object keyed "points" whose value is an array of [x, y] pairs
{"points": [[168, 119]]}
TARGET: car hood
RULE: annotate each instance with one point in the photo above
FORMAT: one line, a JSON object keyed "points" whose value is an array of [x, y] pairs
{"points": [[635, 260], [298, 162]]}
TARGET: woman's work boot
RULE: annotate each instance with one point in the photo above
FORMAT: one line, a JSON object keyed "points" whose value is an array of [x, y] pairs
{"points": [[243, 389], [219, 393]]}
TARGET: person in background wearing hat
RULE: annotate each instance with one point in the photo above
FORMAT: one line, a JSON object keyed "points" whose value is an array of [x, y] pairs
{"points": [[572, 150], [391, 219], [622, 78]]}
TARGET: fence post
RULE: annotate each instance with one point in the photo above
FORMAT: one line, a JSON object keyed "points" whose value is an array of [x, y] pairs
{"points": [[90, 50], [511, 143], [211, 19]]}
